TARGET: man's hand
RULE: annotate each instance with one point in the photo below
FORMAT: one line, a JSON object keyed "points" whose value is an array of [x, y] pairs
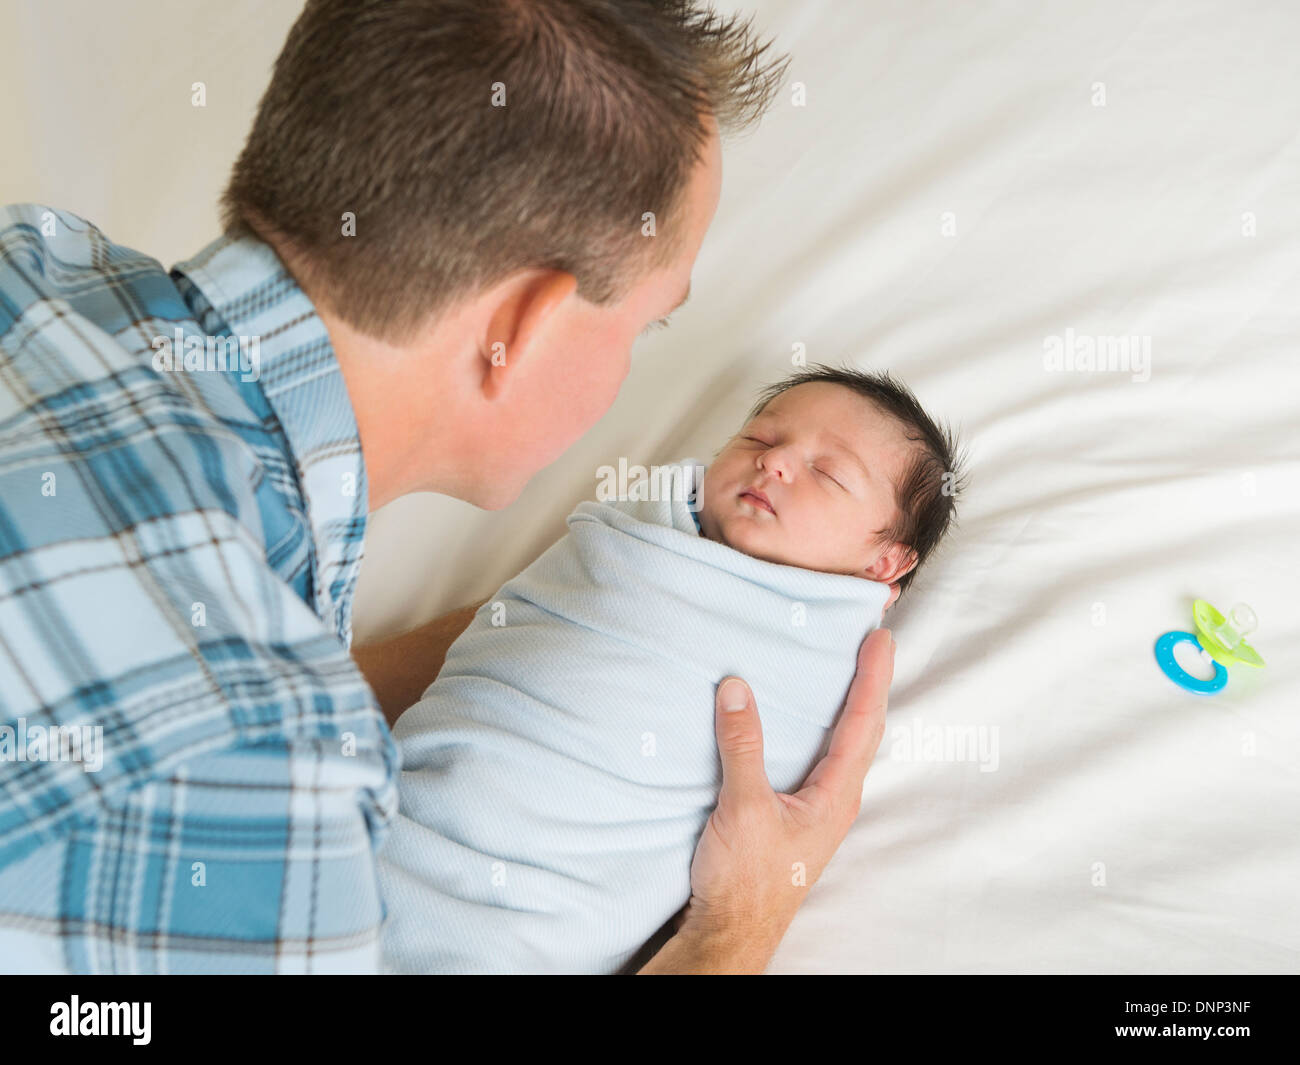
{"points": [[762, 851]]}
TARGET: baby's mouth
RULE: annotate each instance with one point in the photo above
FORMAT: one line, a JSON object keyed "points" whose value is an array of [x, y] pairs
{"points": [[758, 499]]}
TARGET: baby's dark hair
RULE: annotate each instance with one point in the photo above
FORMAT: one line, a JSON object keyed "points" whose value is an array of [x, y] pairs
{"points": [[927, 493]]}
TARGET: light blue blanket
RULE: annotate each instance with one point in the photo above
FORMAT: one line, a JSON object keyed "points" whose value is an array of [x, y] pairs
{"points": [[559, 772]]}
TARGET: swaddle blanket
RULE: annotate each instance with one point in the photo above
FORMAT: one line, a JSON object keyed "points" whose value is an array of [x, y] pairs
{"points": [[557, 775]]}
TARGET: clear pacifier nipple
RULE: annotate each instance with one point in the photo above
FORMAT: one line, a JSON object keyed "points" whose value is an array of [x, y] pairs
{"points": [[1240, 623]]}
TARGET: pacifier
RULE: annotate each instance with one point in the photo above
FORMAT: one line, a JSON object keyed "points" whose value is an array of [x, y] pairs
{"points": [[1221, 642]]}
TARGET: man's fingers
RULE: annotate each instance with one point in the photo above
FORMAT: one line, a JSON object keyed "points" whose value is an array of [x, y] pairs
{"points": [[861, 726], [740, 742]]}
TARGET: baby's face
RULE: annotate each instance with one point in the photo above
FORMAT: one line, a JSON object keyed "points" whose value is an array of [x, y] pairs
{"points": [[827, 462]]}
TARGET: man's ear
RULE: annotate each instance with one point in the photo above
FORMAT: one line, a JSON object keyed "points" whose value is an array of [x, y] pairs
{"points": [[526, 303], [894, 563]]}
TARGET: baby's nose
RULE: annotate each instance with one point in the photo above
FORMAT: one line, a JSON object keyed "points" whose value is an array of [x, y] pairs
{"points": [[774, 462]]}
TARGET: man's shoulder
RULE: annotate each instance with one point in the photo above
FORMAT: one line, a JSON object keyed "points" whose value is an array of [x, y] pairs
{"points": [[132, 398], [86, 413], [55, 251], [121, 454], [70, 294]]}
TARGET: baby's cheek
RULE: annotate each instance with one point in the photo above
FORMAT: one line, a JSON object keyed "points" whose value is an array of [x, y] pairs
{"points": [[817, 540], [705, 515]]}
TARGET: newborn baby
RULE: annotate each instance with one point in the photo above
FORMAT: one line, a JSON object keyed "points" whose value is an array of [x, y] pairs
{"points": [[816, 476], [557, 775]]}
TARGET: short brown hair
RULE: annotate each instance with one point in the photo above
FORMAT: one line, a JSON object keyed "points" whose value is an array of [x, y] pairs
{"points": [[385, 108], [935, 475]]}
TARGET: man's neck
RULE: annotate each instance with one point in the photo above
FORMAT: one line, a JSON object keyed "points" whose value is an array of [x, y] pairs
{"points": [[413, 424], [383, 388]]}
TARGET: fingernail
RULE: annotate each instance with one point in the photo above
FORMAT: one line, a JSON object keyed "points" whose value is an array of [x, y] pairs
{"points": [[733, 695]]}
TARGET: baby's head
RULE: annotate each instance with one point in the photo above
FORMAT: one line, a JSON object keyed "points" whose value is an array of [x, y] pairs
{"points": [[835, 470]]}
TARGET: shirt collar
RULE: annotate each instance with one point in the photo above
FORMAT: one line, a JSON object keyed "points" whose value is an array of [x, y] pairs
{"points": [[695, 511], [254, 295]]}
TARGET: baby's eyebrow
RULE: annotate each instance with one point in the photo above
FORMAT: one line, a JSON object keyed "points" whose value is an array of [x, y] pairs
{"points": [[850, 452]]}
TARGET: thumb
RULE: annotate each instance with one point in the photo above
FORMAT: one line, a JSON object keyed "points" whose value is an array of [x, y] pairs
{"points": [[740, 742]]}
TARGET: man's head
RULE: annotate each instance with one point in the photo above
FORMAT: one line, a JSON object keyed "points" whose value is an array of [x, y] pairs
{"points": [[835, 470], [488, 201]]}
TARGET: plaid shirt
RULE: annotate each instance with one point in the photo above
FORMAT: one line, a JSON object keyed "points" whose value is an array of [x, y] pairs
{"points": [[194, 776]]}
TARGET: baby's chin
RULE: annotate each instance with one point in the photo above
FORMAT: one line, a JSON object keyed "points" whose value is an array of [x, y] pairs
{"points": [[757, 541]]}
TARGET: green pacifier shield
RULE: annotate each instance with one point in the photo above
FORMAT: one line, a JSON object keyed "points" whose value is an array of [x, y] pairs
{"points": [[1215, 629]]}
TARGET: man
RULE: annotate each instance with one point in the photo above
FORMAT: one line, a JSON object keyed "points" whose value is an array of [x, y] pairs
{"points": [[451, 220]]}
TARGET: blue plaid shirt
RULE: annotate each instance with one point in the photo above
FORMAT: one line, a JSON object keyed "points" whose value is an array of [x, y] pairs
{"points": [[194, 776]]}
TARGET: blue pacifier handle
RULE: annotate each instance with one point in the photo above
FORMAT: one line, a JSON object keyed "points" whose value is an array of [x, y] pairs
{"points": [[1171, 669]]}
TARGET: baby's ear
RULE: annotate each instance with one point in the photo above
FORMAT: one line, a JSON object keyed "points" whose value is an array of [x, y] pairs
{"points": [[896, 562]]}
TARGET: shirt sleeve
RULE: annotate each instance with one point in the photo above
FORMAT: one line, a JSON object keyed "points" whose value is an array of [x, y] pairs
{"points": [[234, 779], [194, 775]]}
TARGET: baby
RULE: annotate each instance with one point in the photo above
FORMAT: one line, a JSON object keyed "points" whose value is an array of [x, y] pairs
{"points": [[558, 773], [837, 471]]}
